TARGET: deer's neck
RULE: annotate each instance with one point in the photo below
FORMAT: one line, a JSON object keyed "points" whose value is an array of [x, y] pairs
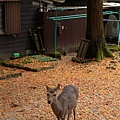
{"points": [[56, 106]]}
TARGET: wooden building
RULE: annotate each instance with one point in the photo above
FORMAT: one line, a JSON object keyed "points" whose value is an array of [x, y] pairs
{"points": [[18, 16], [69, 32]]}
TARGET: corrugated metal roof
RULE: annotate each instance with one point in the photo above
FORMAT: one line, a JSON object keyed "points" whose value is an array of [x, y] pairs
{"points": [[111, 4], [8, 0], [113, 0], [59, 1]]}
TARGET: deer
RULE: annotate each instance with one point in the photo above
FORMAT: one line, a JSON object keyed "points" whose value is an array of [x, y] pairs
{"points": [[63, 104]]}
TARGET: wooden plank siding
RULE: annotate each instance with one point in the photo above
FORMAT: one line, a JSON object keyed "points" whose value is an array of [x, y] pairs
{"points": [[72, 33], [68, 40], [13, 19], [10, 44]]}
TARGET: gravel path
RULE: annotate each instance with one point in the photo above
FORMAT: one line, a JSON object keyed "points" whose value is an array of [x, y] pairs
{"points": [[24, 97]]}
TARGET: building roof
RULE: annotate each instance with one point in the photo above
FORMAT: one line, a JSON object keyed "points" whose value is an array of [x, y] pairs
{"points": [[112, 4], [113, 0], [8, 0], [59, 1]]}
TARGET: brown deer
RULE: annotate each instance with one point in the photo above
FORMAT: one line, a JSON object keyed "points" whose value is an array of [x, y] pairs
{"points": [[63, 104]]}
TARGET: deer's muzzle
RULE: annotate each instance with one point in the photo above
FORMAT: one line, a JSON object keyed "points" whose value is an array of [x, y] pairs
{"points": [[49, 101]]}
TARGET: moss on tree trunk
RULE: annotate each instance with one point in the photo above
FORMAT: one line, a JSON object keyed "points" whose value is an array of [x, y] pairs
{"points": [[108, 53], [95, 31]]}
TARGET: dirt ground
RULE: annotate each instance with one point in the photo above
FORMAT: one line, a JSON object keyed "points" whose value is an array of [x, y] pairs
{"points": [[24, 97]]}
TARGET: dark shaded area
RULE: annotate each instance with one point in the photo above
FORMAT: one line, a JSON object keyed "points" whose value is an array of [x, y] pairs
{"points": [[10, 76]]}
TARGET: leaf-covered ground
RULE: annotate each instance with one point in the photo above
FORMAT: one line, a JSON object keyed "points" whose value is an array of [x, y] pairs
{"points": [[24, 97]]}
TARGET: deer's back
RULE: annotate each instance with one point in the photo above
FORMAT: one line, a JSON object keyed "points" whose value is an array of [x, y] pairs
{"points": [[69, 96]]}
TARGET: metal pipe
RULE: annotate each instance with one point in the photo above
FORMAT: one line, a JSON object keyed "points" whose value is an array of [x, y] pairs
{"points": [[55, 32], [110, 12], [75, 17], [111, 20], [119, 30], [68, 17]]}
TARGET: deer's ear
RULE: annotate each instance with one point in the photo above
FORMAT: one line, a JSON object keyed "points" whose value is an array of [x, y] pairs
{"points": [[58, 87], [47, 87]]}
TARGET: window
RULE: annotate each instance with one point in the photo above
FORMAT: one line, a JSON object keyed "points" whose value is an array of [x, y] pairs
{"points": [[10, 17], [1, 18]]}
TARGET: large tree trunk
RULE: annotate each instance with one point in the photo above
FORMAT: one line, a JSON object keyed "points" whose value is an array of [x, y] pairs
{"points": [[95, 31]]}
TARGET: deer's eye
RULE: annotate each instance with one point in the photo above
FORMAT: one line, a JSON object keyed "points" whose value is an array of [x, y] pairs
{"points": [[54, 94], [47, 94]]}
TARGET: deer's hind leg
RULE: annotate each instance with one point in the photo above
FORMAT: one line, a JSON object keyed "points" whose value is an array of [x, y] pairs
{"points": [[69, 114], [74, 113]]}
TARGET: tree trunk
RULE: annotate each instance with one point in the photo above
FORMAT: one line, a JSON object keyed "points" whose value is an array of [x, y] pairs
{"points": [[95, 31]]}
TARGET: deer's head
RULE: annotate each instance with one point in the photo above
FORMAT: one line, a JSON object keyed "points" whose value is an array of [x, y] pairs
{"points": [[52, 93]]}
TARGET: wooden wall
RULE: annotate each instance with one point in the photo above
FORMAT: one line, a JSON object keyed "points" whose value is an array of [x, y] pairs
{"points": [[70, 34], [10, 44]]}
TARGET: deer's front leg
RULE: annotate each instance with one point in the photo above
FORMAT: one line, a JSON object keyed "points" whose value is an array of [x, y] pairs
{"points": [[74, 113]]}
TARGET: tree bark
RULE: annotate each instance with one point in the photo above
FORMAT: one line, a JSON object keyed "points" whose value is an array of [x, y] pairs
{"points": [[95, 31]]}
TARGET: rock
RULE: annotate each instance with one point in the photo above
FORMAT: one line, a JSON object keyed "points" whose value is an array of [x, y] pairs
{"points": [[14, 104]]}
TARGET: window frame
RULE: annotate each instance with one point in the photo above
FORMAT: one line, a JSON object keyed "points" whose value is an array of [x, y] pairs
{"points": [[2, 18], [11, 17]]}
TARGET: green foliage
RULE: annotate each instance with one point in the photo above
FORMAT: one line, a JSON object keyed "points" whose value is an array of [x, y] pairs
{"points": [[107, 51], [100, 55], [27, 60], [114, 48], [56, 52]]}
